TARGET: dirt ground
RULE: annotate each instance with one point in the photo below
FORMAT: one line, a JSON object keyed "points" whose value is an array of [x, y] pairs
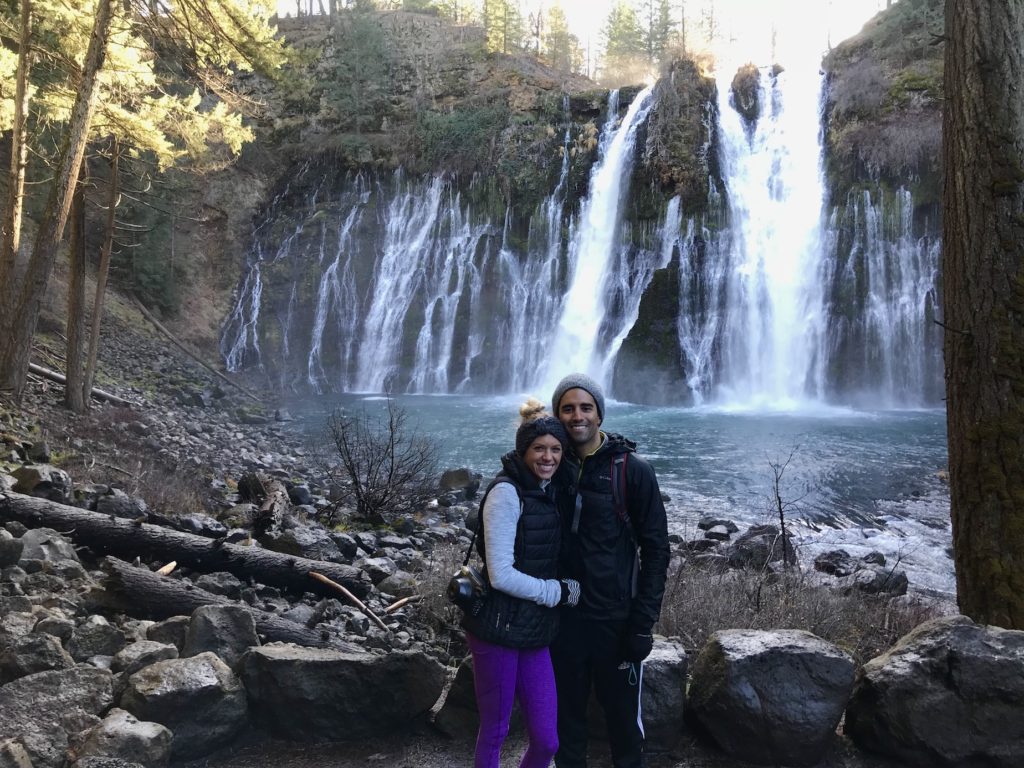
{"points": [[425, 748]]}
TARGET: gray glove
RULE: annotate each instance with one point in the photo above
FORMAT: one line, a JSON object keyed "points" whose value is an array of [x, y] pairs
{"points": [[570, 593]]}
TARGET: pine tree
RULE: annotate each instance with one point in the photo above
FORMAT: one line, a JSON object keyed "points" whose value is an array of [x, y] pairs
{"points": [[625, 53], [561, 48]]}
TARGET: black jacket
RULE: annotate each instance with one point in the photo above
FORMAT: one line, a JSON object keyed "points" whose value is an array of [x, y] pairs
{"points": [[620, 561], [512, 621]]}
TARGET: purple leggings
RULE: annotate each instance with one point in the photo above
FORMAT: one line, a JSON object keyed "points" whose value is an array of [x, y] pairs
{"points": [[501, 675]]}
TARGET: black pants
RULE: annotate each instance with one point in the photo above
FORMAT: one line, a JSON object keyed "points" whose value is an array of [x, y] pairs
{"points": [[585, 653]]}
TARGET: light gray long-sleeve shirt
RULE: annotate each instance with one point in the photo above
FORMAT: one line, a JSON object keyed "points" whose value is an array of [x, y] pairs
{"points": [[501, 519]]}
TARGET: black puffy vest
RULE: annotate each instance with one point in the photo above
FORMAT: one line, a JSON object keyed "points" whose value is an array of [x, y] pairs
{"points": [[504, 619]]}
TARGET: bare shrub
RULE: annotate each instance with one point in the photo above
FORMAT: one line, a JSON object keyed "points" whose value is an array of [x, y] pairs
{"points": [[699, 602], [904, 143], [859, 90], [434, 608], [390, 467], [171, 494]]}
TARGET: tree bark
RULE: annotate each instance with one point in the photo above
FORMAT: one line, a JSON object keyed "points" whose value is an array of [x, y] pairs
{"points": [[73, 391], [18, 329], [983, 286], [141, 593], [102, 271], [106, 535], [10, 226]]}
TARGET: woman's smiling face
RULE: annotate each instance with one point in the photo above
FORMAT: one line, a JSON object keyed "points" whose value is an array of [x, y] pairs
{"points": [[543, 456]]}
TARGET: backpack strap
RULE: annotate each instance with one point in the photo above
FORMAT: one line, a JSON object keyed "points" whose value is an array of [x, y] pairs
{"points": [[480, 514]]}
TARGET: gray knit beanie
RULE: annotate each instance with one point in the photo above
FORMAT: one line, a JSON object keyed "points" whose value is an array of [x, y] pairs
{"points": [[579, 381], [545, 425]]}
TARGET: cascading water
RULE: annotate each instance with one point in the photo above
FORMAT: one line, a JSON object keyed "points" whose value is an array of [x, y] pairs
{"points": [[361, 283], [579, 342], [772, 328]]}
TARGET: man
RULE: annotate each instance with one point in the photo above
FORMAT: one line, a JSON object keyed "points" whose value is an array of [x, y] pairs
{"points": [[615, 543]]}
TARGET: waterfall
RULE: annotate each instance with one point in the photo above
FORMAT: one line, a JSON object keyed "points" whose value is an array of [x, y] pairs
{"points": [[772, 326], [360, 282], [576, 343], [885, 337], [336, 296], [531, 282]]}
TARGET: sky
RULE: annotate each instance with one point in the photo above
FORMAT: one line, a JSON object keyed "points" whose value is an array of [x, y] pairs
{"points": [[804, 26]]}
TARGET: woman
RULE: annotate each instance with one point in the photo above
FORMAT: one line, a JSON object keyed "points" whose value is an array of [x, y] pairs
{"points": [[509, 636]]}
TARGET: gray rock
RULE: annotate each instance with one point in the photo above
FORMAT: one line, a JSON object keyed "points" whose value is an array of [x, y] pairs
{"points": [[33, 653], [221, 583], [399, 584], [949, 693], [95, 637], [46, 544], [123, 736], [664, 693], [14, 755], [199, 698], [40, 710], [57, 626], [294, 691], [771, 697], [226, 630], [120, 504], [172, 631], [377, 568], [106, 762], [44, 481], [10, 549], [141, 653]]}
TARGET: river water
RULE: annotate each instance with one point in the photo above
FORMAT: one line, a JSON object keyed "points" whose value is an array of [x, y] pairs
{"points": [[858, 480]]}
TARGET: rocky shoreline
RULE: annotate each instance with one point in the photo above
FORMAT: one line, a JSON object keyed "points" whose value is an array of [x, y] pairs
{"points": [[167, 588]]}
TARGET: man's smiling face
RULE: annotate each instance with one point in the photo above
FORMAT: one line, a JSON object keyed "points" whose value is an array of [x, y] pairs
{"points": [[579, 415]]}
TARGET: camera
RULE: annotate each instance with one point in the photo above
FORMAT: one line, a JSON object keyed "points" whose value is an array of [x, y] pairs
{"points": [[467, 588]]}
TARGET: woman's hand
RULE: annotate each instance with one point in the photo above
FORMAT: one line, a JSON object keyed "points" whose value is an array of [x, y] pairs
{"points": [[570, 593]]}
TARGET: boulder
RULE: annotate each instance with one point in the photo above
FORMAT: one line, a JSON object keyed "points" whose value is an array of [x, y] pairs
{"points": [[10, 549], [121, 735], [199, 698], [40, 710], [44, 481], [226, 630], [46, 544], [139, 654], [457, 716], [772, 698], [36, 652], [316, 693], [664, 693], [949, 693], [758, 546], [95, 636], [172, 631]]}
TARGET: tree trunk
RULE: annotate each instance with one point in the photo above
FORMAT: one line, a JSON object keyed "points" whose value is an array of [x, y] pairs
{"points": [[106, 535], [17, 331], [10, 225], [141, 593], [73, 390], [102, 270], [983, 286]]}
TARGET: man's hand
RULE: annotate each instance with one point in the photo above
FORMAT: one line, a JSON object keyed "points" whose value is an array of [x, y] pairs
{"points": [[636, 646]]}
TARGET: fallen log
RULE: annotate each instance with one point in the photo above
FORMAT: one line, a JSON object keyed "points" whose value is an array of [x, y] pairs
{"points": [[99, 394], [108, 535], [143, 594]]}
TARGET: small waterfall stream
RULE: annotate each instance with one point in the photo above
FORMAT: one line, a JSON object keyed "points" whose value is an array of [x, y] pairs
{"points": [[576, 344]]}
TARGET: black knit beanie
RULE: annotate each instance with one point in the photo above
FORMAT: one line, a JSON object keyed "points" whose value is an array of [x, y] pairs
{"points": [[579, 381], [545, 425]]}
